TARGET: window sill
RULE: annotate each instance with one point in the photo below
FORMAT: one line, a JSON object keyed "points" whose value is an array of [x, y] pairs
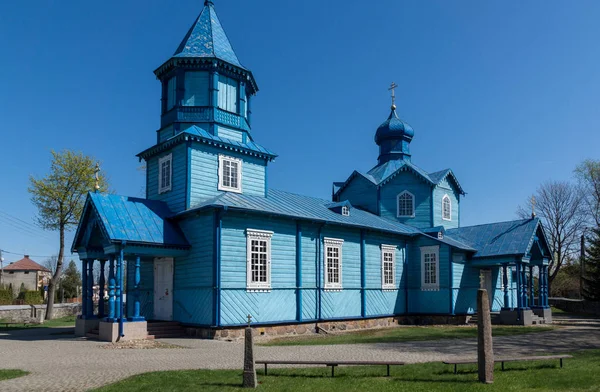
{"points": [[258, 290], [233, 190], [333, 289], [430, 289], [162, 191], [405, 216], [390, 288]]}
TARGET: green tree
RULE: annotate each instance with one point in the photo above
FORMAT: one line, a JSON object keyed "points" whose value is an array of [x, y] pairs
{"points": [[71, 280], [588, 174], [591, 287], [59, 198]]}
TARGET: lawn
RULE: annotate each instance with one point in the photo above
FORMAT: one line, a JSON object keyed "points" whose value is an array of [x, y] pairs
{"points": [[67, 321], [6, 374], [400, 334], [580, 373]]}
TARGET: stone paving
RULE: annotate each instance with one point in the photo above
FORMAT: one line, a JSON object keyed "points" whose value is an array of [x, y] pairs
{"points": [[58, 362]]}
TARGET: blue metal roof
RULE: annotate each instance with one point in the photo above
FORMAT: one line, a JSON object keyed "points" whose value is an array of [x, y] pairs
{"points": [[198, 134], [134, 220], [304, 207], [498, 239], [438, 176], [384, 172], [206, 38]]}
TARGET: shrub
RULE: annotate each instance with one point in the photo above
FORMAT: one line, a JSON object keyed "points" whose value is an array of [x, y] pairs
{"points": [[6, 297], [31, 297]]}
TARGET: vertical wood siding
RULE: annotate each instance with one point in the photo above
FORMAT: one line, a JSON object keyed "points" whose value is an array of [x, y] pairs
{"points": [[193, 278], [445, 188], [176, 197], [204, 179], [407, 181], [227, 133], [361, 193]]}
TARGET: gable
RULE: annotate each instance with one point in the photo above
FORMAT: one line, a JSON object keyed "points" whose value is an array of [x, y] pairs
{"points": [[361, 192], [418, 187]]}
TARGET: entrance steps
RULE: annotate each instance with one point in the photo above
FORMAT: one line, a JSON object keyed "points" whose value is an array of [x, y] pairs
{"points": [[495, 316], [93, 334], [165, 330]]}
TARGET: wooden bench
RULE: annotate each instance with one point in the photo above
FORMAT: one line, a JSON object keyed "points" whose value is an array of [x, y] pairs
{"points": [[12, 323], [508, 359], [333, 364]]}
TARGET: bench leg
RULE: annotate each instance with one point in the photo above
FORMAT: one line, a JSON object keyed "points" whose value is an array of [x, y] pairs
{"points": [[332, 371], [388, 370], [502, 366], [561, 363], [455, 369], [265, 369]]}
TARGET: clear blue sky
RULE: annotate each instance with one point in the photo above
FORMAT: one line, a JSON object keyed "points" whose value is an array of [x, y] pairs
{"points": [[504, 93]]}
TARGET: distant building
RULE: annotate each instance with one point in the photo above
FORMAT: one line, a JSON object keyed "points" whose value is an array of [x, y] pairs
{"points": [[27, 272]]}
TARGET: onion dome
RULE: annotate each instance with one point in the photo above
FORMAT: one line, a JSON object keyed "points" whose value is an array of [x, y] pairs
{"points": [[393, 138]]}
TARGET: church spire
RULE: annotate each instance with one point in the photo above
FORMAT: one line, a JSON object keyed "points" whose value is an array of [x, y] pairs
{"points": [[394, 136]]}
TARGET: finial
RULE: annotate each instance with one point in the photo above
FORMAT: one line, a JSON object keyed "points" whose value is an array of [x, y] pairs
{"points": [[393, 90], [96, 171], [533, 203], [249, 320]]}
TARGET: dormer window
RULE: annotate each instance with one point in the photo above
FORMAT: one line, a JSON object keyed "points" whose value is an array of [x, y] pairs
{"points": [[165, 170], [345, 211], [440, 235], [446, 208], [230, 174], [406, 205]]}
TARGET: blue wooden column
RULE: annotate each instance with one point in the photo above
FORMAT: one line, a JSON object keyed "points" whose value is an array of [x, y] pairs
{"points": [[505, 283], [298, 272], [90, 288], [101, 283], [84, 293], [519, 296], [524, 284], [111, 289], [118, 282], [545, 289], [531, 290], [137, 280]]}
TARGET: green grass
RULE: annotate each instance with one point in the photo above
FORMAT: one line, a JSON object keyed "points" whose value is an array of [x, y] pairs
{"points": [[6, 374], [400, 334], [558, 311], [579, 373], [67, 321]]}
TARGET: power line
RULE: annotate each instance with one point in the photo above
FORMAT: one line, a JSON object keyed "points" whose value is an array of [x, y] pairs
{"points": [[25, 228], [19, 254]]}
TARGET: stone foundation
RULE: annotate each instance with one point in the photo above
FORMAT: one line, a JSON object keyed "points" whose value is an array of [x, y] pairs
{"points": [[133, 330], [323, 327], [84, 326]]}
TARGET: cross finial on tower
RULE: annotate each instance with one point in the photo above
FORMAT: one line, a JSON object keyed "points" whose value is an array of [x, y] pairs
{"points": [[96, 172], [533, 203], [393, 90], [249, 320]]}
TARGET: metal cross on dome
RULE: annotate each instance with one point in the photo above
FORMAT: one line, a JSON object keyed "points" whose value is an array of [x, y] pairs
{"points": [[533, 203], [393, 88], [96, 171]]}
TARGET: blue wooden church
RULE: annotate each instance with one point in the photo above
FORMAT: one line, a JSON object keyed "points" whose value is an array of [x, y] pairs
{"points": [[211, 243]]}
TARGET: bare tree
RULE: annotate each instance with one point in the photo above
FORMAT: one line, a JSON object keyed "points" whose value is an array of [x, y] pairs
{"points": [[50, 263], [588, 174], [560, 206]]}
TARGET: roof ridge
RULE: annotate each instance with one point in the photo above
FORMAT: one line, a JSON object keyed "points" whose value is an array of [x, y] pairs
{"points": [[493, 223]]}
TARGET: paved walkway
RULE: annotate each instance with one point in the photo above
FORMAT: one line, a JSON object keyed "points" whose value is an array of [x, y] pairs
{"points": [[58, 362]]}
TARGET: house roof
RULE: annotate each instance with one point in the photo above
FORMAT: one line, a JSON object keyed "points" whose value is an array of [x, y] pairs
{"points": [[134, 220], [304, 207], [25, 264], [198, 134], [206, 38], [513, 238]]}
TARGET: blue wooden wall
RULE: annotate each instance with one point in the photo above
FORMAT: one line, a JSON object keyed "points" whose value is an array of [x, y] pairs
{"points": [[407, 181], [228, 133], [204, 179], [361, 193], [193, 286], [446, 187], [176, 197]]}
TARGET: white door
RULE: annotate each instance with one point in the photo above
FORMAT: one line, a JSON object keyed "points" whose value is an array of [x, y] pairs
{"points": [[163, 289], [487, 284]]}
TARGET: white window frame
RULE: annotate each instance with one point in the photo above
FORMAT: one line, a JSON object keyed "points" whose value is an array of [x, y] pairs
{"points": [[398, 205], [259, 235], [430, 250], [446, 197], [222, 187], [332, 243], [345, 211], [388, 249], [162, 188]]}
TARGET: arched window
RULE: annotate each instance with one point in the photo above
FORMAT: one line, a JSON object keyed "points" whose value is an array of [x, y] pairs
{"points": [[446, 208], [406, 205]]}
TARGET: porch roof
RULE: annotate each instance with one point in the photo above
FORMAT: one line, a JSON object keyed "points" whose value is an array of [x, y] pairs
{"points": [[133, 220], [512, 238]]}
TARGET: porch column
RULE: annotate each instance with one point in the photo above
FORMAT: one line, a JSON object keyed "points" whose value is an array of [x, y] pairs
{"points": [[519, 296], [90, 288], [137, 280], [524, 284], [118, 283], [546, 291], [505, 282], [111, 288], [531, 298], [101, 283], [84, 293]]}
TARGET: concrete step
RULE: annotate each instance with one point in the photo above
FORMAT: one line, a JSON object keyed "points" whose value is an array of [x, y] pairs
{"points": [[91, 335]]}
